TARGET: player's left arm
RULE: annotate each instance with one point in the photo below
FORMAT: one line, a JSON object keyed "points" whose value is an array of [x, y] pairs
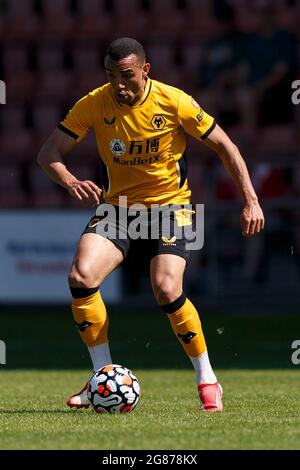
{"points": [[252, 217]]}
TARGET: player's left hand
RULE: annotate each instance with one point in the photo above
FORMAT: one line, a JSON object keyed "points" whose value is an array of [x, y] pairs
{"points": [[252, 219]]}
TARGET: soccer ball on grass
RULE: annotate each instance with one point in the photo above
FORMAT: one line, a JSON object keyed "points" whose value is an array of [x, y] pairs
{"points": [[113, 389]]}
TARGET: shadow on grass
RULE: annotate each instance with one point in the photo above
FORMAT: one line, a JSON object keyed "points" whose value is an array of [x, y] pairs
{"points": [[47, 339], [40, 411]]}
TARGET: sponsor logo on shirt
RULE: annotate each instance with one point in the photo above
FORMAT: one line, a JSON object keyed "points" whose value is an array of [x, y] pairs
{"points": [[169, 241], [200, 115], [117, 147], [110, 122]]}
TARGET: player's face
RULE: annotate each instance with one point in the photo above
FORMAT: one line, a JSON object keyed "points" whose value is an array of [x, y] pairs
{"points": [[128, 78]]}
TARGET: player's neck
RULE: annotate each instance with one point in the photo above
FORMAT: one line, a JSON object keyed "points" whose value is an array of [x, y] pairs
{"points": [[141, 93]]}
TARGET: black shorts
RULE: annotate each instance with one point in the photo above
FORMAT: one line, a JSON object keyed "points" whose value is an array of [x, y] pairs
{"points": [[167, 229]]}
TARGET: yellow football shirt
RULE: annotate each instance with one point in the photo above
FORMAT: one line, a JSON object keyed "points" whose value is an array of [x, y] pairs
{"points": [[142, 147]]}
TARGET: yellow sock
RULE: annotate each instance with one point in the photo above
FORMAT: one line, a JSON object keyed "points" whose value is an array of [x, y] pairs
{"points": [[186, 325], [91, 319]]}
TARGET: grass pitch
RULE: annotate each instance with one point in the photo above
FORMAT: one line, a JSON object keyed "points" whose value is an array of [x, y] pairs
{"points": [[46, 362], [261, 412]]}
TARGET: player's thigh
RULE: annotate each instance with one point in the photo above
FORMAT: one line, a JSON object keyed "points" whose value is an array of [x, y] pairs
{"points": [[95, 258], [166, 273]]}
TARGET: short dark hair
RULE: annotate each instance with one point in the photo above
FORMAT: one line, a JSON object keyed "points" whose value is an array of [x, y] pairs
{"points": [[123, 47]]}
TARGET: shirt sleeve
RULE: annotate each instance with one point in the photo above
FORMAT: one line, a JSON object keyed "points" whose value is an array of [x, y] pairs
{"points": [[79, 119], [194, 120]]}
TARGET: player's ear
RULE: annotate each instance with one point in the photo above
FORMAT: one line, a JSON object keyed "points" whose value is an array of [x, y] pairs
{"points": [[146, 69]]}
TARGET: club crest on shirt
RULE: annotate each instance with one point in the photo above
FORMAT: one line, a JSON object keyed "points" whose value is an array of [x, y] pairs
{"points": [[158, 122], [117, 147]]}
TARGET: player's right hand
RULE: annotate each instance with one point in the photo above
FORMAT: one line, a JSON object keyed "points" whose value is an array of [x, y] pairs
{"points": [[85, 191]]}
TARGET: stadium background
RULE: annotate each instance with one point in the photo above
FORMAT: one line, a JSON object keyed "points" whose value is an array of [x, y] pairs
{"points": [[52, 53]]}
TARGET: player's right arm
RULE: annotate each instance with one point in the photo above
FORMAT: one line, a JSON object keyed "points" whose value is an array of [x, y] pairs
{"points": [[50, 158], [60, 143]]}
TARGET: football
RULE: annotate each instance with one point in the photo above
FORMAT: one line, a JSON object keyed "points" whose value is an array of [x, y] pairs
{"points": [[113, 389]]}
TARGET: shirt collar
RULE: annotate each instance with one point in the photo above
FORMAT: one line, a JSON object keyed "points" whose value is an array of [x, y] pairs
{"points": [[140, 101]]}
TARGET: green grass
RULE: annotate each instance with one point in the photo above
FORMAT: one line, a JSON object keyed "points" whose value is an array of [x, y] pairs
{"points": [[261, 412], [46, 362]]}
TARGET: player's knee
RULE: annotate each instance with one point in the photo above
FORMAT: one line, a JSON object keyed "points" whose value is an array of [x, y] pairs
{"points": [[80, 277], [166, 291]]}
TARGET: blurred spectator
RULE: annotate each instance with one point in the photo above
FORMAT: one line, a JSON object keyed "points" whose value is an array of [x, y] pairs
{"points": [[267, 69], [247, 77], [280, 238], [217, 71]]}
